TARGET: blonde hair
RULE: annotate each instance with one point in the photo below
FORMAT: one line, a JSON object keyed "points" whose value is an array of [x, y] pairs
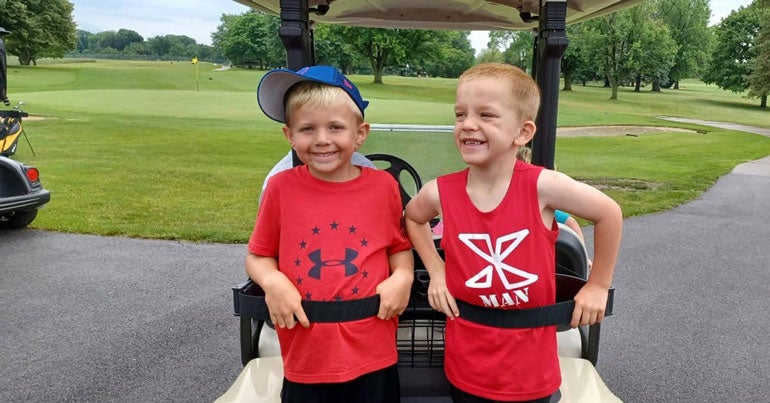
{"points": [[523, 88], [318, 94], [524, 154]]}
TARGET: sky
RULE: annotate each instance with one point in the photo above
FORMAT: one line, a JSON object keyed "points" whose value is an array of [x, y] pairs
{"points": [[199, 18]]}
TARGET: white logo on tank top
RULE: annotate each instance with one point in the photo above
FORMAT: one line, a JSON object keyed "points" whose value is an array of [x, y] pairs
{"points": [[511, 277]]}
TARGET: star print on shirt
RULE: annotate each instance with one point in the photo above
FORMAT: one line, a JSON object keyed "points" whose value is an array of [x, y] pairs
{"points": [[331, 256]]}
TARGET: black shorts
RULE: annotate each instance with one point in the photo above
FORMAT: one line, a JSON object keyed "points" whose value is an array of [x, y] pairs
{"points": [[458, 396], [375, 387]]}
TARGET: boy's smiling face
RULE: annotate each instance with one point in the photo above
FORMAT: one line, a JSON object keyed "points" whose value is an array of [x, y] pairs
{"points": [[487, 126], [325, 137]]}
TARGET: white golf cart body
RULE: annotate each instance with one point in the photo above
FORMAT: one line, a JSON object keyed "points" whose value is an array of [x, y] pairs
{"points": [[420, 337]]}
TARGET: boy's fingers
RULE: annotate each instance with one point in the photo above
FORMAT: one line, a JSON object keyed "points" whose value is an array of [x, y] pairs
{"points": [[302, 318], [453, 305], [576, 315]]}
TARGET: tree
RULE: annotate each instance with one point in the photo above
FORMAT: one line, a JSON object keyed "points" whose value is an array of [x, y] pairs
{"points": [[687, 21], [385, 47], [627, 46], [653, 51], [113, 40], [735, 51], [331, 51], [451, 54], [82, 39], [607, 45], [759, 79], [572, 59], [518, 47], [490, 55], [250, 40], [38, 28]]}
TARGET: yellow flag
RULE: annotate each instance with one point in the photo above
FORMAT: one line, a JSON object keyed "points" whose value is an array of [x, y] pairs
{"points": [[195, 60]]}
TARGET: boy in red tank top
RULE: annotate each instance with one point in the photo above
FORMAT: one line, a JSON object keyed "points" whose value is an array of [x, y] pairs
{"points": [[329, 231], [499, 239]]}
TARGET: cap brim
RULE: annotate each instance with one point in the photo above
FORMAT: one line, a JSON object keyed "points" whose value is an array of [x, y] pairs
{"points": [[272, 90]]}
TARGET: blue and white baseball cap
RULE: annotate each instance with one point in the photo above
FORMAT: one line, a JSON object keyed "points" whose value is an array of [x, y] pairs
{"points": [[272, 89]]}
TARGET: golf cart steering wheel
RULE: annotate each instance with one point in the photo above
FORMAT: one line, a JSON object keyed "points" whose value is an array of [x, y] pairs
{"points": [[397, 166]]}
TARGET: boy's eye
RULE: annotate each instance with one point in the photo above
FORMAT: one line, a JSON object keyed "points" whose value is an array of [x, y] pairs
{"points": [[335, 127]]}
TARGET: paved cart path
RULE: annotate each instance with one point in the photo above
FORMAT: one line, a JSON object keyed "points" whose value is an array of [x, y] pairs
{"points": [[693, 298]]}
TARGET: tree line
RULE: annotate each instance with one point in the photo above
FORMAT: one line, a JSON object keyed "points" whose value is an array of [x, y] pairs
{"points": [[129, 43], [656, 43]]}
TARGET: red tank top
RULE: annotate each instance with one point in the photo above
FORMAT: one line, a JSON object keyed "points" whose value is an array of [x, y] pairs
{"points": [[503, 259]]}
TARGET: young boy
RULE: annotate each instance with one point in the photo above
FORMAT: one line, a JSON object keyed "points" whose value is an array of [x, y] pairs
{"points": [[329, 231], [499, 242]]}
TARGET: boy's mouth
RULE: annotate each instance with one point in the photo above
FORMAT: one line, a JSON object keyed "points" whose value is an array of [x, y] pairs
{"points": [[472, 142]]}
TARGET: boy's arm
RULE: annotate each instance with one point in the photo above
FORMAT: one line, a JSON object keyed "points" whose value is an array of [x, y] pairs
{"points": [[394, 291], [558, 191], [420, 210], [282, 298]]}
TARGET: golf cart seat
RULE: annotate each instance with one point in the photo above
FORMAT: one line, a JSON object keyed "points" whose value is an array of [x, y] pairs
{"points": [[396, 167]]}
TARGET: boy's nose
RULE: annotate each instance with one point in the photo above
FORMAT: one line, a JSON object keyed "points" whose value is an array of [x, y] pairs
{"points": [[322, 137], [469, 123]]}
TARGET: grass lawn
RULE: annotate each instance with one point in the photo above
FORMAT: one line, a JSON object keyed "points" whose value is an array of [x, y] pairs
{"points": [[141, 149]]}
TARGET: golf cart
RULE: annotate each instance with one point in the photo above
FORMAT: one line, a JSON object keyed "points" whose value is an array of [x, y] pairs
{"points": [[420, 338], [21, 193]]}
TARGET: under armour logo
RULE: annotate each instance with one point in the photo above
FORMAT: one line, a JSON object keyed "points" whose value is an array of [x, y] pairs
{"points": [[315, 257], [483, 279]]}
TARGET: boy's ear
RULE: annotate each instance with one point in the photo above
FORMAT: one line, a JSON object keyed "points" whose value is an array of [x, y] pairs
{"points": [[362, 134], [526, 133], [289, 136]]}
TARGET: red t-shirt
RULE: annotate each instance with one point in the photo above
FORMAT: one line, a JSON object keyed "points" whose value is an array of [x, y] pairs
{"points": [[503, 259], [332, 240]]}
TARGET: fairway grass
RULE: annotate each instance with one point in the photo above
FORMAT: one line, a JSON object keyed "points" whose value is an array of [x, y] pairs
{"points": [[141, 149]]}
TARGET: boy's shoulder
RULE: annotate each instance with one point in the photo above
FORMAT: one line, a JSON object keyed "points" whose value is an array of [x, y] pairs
{"points": [[375, 174], [453, 176]]}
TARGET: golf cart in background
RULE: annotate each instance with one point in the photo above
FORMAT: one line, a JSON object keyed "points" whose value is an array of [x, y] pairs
{"points": [[420, 338], [21, 193]]}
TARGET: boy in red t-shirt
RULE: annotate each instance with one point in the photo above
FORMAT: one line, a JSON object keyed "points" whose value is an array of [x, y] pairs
{"points": [[499, 240], [329, 231]]}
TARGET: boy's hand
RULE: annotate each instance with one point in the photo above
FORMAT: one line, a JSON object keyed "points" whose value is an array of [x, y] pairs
{"points": [[590, 303], [394, 295], [439, 297], [284, 302]]}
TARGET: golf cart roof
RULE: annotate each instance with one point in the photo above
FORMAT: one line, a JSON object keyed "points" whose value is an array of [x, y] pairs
{"points": [[442, 14]]}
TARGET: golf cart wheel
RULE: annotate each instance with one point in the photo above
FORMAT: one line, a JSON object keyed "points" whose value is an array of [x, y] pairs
{"points": [[17, 219]]}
